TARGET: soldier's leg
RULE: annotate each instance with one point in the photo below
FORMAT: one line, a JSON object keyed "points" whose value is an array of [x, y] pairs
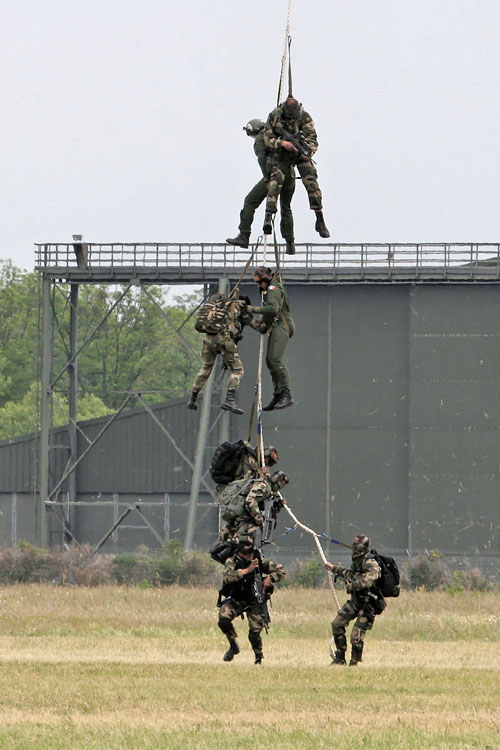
{"points": [[277, 343], [309, 176], [364, 622], [339, 623], [286, 224], [255, 626], [208, 356], [233, 363], [227, 612], [274, 187], [255, 197]]}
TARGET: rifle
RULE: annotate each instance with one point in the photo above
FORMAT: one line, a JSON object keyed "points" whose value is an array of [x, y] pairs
{"points": [[298, 140], [346, 580]]}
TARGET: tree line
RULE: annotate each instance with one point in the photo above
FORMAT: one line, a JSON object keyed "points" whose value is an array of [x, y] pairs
{"points": [[135, 349]]}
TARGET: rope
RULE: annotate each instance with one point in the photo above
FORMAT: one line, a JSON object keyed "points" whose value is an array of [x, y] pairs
{"points": [[260, 432], [286, 50], [320, 549]]}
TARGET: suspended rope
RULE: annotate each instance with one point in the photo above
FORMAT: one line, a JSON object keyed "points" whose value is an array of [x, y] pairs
{"points": [[284, 58], [320, 549]]}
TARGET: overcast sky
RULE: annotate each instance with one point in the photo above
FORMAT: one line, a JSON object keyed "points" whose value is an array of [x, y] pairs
{"points": [[122, 119]]}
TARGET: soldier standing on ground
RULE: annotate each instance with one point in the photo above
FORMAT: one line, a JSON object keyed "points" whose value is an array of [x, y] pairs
{"points": [[278, 323], [258, 194], [292, 117], [363, 605], [247, 585]]}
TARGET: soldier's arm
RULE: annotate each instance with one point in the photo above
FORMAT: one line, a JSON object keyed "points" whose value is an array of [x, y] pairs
{"points": [[309, 132], [338, 570], [274, 570], [366, 579], [273, 302], [252, 500], [271, 139], [231, 574], [260, 150]]}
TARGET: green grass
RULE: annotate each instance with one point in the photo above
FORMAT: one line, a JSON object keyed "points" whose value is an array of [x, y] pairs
{"points": [[128, 668]]}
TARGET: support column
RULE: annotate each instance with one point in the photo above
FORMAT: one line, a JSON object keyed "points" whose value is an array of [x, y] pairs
{"points": [[73, 398], [200, 447], [41, 521]]}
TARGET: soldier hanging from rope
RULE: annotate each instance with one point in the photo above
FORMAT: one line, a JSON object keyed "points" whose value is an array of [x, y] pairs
{"points": [[291, 136], [258, 194]]}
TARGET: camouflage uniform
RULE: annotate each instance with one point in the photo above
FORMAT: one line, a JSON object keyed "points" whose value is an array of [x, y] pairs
{"points": [[278, 323], [242, 599], [362, 575], [225, 344], [243, 527], [259, 193], [284, 162]]}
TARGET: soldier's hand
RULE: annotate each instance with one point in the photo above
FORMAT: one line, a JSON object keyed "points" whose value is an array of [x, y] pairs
{"points": [[254, 564], [282, 500], [329, 565], [288, 146], [267, 581]]}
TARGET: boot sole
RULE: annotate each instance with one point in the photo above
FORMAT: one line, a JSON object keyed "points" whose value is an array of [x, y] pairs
{"points": [[233, 411], [292, 403]]}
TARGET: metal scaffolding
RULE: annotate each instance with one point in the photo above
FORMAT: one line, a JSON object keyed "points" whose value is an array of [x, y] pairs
{"points": [[142, 264]]}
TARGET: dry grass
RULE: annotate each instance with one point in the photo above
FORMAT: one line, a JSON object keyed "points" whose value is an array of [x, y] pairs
{"points": [[128, 668]]}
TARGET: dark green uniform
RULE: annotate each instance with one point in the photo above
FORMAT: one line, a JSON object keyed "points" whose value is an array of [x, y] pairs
{"points": [[363, 574], [258, 194], [279, 326], [242, 598]]}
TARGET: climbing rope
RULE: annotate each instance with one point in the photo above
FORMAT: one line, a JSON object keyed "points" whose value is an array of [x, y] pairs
{"points": [[286, 52], [320, 549]]}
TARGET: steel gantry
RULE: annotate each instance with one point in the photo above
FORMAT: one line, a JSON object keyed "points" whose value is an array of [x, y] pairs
{"points": [[132, 265]]}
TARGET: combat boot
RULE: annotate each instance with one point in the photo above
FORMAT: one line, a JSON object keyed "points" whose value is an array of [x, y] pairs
{"points": [[258, 658], [290, 247], [191, 404], [232, 651], [270, 406], [285, 400], [268, 223], [356, 654], [230, 404], [339, 658], [242, 240], [320, 225]]}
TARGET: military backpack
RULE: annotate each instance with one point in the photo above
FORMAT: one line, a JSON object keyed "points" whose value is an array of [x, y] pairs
{"points": [[233, 499], [388, 583], [226, 460], [213, 315]]}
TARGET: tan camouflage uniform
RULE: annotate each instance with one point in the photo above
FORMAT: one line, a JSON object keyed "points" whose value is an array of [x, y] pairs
{"points": [[225, 344], [363, 573], [233, 607], [243, 527], [284, 162]]}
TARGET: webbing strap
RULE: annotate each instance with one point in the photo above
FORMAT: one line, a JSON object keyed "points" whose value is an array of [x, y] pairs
{"points": [[242, 274]]}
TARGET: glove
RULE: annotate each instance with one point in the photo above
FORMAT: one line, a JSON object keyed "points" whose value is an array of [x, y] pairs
{"points": [[349, 587]]}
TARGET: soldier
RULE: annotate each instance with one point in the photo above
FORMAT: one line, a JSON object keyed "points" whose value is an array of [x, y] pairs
{"points": [[363, 605], [225, 343], [292, 117], [258, 194], [247, 585], [278, 323], [243, 502]]}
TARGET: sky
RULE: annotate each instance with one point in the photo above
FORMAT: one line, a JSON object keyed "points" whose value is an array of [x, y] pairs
{"points": [[122, 119]]}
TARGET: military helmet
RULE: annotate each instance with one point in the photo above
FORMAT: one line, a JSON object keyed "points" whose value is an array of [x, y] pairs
{"points": [[291, 107], [263, 274], [360, 545], [254, 127], [269, 460], [278, 479]]}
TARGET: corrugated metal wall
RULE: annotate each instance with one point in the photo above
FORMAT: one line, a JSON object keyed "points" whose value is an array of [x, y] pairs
{"points": [[395, 431]]}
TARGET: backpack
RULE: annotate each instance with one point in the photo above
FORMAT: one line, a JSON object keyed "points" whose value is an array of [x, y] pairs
{"points": [[220, 551], [388, 583], [233, 499], [213, 315], [226, 459]]}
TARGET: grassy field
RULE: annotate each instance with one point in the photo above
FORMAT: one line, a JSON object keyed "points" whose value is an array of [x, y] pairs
{"points": [[113, 668]]}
